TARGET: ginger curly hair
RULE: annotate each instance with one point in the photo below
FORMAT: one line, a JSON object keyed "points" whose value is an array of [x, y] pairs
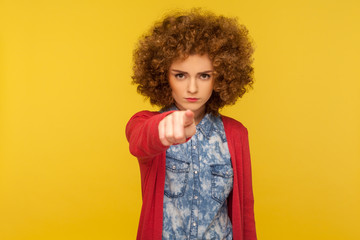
{"points": [[181, 34]]}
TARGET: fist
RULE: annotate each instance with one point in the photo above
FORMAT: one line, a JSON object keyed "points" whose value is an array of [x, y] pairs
{"points": [[176, 127]]}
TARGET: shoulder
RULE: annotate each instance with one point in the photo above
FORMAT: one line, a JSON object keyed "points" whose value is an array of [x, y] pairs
{"points": [[145, 114], [232, 125], [146, 118], [140, 118], [149, 115]]}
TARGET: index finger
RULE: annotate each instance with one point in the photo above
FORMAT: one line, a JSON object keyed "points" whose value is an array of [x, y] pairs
{"points": [[188, 118]]}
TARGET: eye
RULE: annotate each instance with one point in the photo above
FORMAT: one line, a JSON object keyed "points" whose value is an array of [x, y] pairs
{"points": [[180, 76], [205, 76]]}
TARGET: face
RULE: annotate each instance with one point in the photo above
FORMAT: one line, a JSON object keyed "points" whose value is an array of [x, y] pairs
{"points": [[192, 83]]}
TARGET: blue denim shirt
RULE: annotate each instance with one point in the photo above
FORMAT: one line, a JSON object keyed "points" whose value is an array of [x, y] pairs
{"points": [[199, 178]]}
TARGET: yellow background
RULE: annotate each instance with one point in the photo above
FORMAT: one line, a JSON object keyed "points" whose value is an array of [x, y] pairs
{"points": [[65, 95]]}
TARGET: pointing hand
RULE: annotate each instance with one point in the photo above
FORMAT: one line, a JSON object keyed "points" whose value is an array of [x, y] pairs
{"points": [[176, 127]]}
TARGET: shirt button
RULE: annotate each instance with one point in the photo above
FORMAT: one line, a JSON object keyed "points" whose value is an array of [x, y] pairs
{"points": [[194, 224], [195, 197], [194, 147], [196, 172], [174, 167]]}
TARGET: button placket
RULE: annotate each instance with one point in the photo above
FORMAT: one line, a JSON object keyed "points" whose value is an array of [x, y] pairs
{"points": [[200, 153], [195, 208]]}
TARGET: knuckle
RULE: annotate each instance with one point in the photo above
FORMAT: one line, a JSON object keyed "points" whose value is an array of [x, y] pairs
{"points": [[169, 136], [179, 137]]}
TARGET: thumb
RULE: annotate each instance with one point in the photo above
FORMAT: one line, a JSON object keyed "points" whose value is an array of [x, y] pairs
{"points": [[188, 118]]}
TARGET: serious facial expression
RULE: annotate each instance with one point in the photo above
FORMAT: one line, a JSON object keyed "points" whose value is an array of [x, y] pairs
{"points": [[191, 81]]}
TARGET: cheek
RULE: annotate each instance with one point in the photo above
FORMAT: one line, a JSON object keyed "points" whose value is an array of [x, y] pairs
{"points": [[210, 91], [176, 88], [174, 93], [172, 84], [210, 87]]}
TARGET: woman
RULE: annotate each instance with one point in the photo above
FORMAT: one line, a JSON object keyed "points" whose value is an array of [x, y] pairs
{"points": [[194, 163]]}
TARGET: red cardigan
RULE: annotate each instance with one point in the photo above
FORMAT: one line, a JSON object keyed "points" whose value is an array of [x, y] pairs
{"points": [[142, 134]]}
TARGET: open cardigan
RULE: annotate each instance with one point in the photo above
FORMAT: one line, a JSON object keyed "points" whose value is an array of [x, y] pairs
{"points": [[144, 143]]}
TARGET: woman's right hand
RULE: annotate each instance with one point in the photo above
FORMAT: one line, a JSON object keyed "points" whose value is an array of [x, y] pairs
{"points": [[177, 127]]}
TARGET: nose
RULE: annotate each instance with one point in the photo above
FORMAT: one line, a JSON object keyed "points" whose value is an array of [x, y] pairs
{"points": [[192, 85]]}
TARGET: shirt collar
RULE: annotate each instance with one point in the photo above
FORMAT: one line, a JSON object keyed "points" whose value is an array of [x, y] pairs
{"points": [[207, 125]]}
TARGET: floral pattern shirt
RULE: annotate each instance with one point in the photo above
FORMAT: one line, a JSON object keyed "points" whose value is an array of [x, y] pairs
{"points": [[199, 178]]}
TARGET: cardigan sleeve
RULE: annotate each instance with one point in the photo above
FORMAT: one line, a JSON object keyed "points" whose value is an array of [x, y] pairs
{"points": [[143, 135]]}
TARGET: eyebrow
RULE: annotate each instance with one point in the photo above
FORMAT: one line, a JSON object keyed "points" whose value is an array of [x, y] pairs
{"points": [[207, 71]]}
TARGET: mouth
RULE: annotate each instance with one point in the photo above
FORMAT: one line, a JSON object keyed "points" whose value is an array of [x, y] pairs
{"points": [[192, 99]]}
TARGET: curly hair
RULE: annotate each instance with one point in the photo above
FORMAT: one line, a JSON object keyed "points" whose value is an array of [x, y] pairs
{"points": [[182, 34]]}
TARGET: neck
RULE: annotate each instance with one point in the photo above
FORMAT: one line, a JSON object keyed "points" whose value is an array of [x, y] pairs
{"points": [[199, 116]]}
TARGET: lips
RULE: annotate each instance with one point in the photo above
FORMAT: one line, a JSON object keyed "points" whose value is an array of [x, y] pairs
{"points": [[192, 99]]}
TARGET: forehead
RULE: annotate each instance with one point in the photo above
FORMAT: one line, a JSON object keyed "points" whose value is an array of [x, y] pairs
{"points": [[193, 62]]}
